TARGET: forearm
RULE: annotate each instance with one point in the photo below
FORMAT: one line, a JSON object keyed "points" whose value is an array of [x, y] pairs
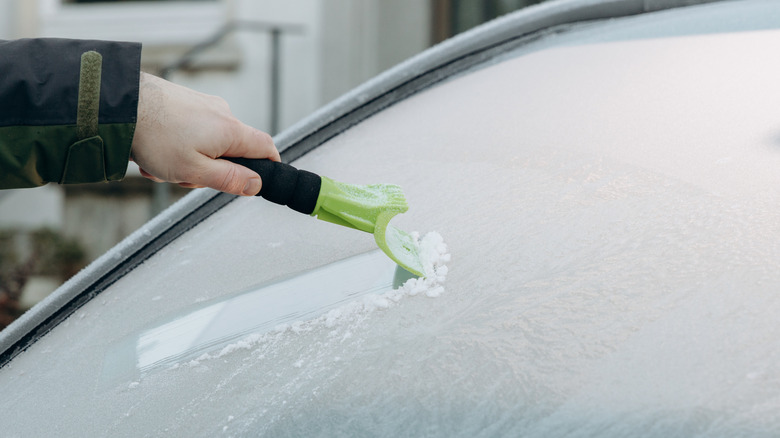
{"points": [[41, 139]]}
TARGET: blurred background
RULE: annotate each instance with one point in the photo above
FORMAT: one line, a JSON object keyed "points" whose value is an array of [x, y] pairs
{"points": [[274, 61]]}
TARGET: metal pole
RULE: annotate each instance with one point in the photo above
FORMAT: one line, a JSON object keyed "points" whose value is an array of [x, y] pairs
{"points": [[161, 192], [276, 34]]}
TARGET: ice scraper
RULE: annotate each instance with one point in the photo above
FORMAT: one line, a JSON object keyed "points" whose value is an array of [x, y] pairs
{"points": [[366, 208]]}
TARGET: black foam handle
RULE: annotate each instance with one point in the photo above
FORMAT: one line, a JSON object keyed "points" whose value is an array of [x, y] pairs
{"points": [[284, 184]]}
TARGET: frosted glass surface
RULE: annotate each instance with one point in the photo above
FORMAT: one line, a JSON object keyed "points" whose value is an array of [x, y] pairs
{"points": [[722, 17], [612, 215]]}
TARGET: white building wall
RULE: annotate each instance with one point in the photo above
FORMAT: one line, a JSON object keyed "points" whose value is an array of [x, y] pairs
{"points": [[361, 38], [247, 88], [7, 14], [404, 30], [342, 43]]}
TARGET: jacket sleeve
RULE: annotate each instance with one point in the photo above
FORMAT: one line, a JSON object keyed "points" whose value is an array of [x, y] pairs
{"points": [[67, 110]]}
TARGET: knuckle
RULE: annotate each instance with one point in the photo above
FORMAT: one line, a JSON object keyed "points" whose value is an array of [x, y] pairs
{"points": [[231, 182], [264, 137]]}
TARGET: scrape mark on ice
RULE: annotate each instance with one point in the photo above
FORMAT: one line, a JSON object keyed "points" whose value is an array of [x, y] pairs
{"points": [[433, 252]]}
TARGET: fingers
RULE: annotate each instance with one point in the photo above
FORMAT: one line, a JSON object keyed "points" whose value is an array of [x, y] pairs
{"points": [[236, 179], [200, 170], [227, 177], [233, 178], [187, 185], [252, 143]]}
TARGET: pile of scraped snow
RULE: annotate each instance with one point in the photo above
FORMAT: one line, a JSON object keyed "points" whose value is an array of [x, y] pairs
{"points": [[434, 256]]}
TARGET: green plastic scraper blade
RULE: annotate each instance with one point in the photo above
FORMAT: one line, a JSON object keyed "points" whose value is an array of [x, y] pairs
{"points": [[367, 208], [370, 208], [400, 246]]}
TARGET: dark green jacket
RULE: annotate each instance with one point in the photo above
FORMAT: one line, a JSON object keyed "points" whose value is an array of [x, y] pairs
{"points": [[67, 110]]}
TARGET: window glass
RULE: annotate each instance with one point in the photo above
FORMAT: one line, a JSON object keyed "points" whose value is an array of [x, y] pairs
{"points": [[611, 211], [243, 319], [733, 16]]}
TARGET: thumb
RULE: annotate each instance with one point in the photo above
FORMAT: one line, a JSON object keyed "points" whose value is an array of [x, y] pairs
{"points": [[231, 178]]}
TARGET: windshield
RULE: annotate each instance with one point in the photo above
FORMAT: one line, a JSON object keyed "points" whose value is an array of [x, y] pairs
{"points": [[611, 212]]}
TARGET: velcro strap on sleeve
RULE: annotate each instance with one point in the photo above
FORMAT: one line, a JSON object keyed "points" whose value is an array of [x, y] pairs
{"points": [[85, 160], [89, 94]]}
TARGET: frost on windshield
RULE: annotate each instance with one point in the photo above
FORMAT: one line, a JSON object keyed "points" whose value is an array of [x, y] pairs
{"points": [[434, 255], [615, 238], [343, 290]]}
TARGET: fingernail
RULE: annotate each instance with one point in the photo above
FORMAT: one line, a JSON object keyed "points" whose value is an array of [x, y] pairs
{"points": [[252, 187]]}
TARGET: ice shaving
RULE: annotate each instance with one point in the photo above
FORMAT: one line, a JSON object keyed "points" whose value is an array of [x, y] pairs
{"points": [[434, 256]]}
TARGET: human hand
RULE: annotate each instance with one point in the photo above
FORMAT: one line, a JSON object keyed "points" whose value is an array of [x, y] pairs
{"points": [[181, 133]]}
